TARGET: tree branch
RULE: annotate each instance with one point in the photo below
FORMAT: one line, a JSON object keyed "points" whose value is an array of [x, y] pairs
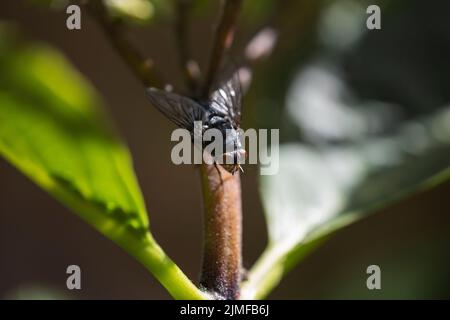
{"points": [[141, 67]]}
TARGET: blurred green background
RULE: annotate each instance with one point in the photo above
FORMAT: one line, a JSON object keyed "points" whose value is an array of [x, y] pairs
{"points": [[337, 87]]}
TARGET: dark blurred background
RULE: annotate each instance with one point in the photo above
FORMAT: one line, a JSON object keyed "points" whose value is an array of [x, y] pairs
{"points": [[39, 237]]}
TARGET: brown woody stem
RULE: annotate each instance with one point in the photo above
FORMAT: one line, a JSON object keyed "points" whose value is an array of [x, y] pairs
{"points": [[221, 272], [222, 256]]}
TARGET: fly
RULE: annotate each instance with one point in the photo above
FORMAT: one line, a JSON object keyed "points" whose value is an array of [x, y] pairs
{"points": [[222, 111]]}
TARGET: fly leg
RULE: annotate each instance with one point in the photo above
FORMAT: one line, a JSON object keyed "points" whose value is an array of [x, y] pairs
{"points": [[218, 171]]}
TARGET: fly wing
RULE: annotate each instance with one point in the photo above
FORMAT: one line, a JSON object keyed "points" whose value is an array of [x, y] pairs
{"points": [[227, 100], [180, 110]]}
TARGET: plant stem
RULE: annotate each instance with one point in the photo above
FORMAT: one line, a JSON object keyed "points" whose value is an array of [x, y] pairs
{"points": [[222, 42], [189, 68], [264, 275], [271, 266], [153, 258], [222, 256], [141, 67], [221, 272]]}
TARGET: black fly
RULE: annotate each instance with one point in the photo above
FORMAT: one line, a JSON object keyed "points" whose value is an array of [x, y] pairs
{"points": [[222, 112]]}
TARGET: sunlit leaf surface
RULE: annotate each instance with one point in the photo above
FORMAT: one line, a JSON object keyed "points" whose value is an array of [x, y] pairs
{"points": [[52, 127]]}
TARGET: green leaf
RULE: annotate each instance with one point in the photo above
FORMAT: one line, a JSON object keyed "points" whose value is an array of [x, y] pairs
{"points": [[53, 128], [322, 187]]}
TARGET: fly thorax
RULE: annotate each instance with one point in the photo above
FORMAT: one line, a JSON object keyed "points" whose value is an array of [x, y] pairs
{"points": [[231, 142]]}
